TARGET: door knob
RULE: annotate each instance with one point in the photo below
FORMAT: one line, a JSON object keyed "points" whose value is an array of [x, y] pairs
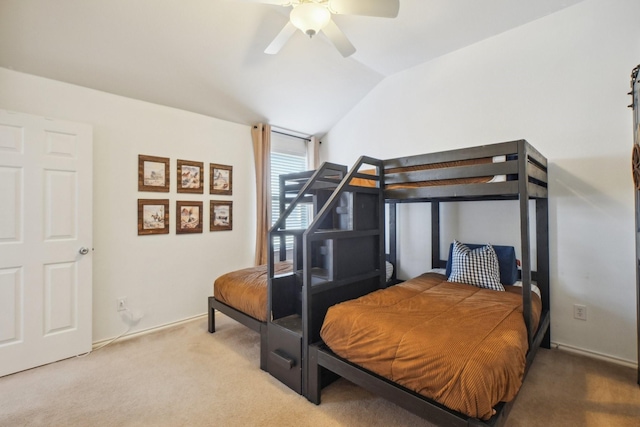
{"points": [[83, 251]]}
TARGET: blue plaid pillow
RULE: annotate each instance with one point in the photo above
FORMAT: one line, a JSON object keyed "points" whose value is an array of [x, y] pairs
{"points": [[478, 267]]}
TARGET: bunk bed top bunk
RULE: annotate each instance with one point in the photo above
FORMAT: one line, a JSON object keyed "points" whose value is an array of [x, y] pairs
{"points": [[506, 171]]}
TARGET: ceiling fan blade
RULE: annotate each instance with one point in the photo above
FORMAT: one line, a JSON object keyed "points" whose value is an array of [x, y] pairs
{"points": [[339, 40], [381, 8], [281, 39]]}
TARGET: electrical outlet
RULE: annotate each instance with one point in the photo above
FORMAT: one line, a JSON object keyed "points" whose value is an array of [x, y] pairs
{"points": [[579, 312], [122, 304]]}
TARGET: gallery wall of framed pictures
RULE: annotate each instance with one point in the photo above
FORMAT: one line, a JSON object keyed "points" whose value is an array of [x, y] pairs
{"points": [[154, 175]]}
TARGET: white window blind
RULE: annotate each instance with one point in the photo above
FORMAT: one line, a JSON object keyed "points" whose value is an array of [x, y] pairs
{"points": [[288, 155]]}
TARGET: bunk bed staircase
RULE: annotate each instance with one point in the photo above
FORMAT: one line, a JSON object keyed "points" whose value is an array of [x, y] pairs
{"points": [[339, 256]]}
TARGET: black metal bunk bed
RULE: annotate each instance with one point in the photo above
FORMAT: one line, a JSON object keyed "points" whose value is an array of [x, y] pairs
{"points": [[526, 170], [290, 186]]}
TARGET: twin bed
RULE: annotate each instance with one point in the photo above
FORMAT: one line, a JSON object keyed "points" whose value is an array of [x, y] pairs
{"points": [[451, 352], [457, 344], [242, 295]]}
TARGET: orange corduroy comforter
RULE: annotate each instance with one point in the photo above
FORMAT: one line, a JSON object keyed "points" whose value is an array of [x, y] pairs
{"points": [[462, 346], [246, 289]]}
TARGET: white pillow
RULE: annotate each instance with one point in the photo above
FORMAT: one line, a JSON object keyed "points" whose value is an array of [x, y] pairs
{"points": [[389, 270], [478, 267], [534, 288]]}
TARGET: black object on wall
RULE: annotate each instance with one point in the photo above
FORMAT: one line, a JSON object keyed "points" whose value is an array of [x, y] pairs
{"points": [[635, 165]]}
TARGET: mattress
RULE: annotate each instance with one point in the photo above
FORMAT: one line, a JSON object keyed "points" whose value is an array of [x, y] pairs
{"points": [[362, 182], [246, 289], [460, 345], [455, 181]]}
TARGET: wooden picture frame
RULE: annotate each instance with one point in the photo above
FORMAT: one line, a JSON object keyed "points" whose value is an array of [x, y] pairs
{"points": [[153, 216], [220, 179], [221, 215], [189, 177], [153, 173], [188, 217]]}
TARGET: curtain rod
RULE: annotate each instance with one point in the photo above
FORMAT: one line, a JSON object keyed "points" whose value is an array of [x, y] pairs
{"points": [[293, 136], [282, 131]]}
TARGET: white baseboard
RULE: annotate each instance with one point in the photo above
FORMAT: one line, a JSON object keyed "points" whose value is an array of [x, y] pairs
{"points": [[595, 355], [146, 331]]}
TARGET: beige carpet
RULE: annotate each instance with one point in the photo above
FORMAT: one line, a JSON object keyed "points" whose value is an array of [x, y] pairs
{"points": [[184, 376]]}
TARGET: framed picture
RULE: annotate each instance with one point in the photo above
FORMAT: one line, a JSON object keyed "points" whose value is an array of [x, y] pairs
{"points": [[221, 213], [153, 173], [153, 216], [220, 179], [188, 217], [190, 179]]}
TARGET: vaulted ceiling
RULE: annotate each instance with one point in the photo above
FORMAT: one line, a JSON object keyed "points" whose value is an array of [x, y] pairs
{"points": [[206, 56]]}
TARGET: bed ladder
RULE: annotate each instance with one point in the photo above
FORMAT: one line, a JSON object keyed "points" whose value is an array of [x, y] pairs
{"points": [[344, 249], [306, 190], [341, 252]]}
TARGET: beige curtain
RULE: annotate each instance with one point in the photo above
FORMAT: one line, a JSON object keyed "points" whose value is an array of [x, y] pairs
{"points": [[261, 135], [313, 153]]}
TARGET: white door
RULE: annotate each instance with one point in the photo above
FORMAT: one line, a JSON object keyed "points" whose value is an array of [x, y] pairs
{"points": [[45, 240]]}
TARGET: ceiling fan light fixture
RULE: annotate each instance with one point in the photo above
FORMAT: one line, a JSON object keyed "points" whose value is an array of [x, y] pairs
{"points": [[310, 18]]}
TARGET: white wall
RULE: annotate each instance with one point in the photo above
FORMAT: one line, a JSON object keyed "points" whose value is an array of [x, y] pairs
{"points": [[168, 277], [561, 83]]}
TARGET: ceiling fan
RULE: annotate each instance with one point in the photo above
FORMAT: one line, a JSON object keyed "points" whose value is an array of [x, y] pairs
{"points": [[313, 16]]}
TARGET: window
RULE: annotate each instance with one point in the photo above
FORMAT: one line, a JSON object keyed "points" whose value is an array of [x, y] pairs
{"points": [[288, 155]]}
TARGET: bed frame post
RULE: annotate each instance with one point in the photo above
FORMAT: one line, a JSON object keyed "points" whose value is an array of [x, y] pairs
{"points": [[393, 254], [211, 312], [525, 238], [264, 349], [542, 247], [435, 235], [315, 384], [382, 249]]}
